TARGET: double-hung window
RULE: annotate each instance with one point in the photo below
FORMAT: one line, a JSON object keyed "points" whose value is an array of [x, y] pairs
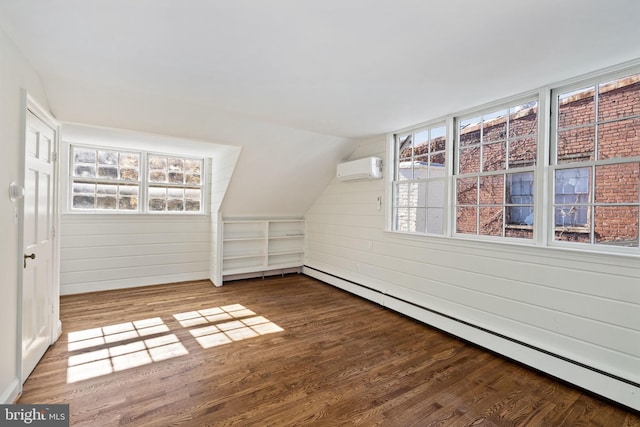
{"points": [[595, 162], [585, 190], [108, 180], [495, 170], [175, 184], [420, 181], [104, 179]]}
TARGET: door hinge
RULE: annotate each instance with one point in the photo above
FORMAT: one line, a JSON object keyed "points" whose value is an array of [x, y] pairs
{"points": [[53, 233], [54, 156]]}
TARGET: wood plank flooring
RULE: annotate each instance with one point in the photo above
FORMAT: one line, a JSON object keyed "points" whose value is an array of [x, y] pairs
{"points": [[287, 351]]}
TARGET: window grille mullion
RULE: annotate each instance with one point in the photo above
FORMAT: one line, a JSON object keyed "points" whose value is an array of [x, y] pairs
{"points": [[559, 168], [143, 183]]}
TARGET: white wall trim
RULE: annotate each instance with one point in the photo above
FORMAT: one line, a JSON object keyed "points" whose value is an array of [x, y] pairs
{"points": [[10, 394], [347, 285], [110, 285], [573, 372]]}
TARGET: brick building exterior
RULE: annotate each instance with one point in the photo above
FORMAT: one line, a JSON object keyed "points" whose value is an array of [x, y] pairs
{"points": [[596, 187]]}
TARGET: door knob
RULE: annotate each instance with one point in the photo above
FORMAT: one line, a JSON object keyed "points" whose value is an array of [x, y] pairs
{"points": [[32, 256]]}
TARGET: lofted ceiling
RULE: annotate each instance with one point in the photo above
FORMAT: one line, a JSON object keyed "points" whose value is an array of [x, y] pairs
{"points": [[298, 84], [347, 68]]}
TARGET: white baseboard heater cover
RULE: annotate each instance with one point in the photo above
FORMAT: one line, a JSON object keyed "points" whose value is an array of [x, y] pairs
{"points": [[361, 169], [597, 381]]}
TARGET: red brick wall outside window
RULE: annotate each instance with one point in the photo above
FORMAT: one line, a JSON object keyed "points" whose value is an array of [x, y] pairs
{"points": [[594, 169], [596, 179], [598, 149], [496, 153]]}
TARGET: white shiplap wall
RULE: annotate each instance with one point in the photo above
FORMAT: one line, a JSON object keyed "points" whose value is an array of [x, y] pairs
{"points": [[101, 252], [581, 306]]}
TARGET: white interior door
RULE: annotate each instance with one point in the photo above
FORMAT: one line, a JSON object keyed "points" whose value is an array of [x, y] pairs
{"points": [[38, 279]]}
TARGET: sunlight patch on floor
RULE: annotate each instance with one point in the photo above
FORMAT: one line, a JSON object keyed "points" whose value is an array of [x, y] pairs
{"points": [[237, 330], [223, 325], [218, 332], [212, 315], [113, 333], [119, 358]]}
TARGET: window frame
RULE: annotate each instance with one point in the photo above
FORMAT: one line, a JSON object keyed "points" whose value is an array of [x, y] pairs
{"points": [[504, 105], [544, 170], [143, 182], [72, 179], [396, 182], [554, 165], [167, 185]]}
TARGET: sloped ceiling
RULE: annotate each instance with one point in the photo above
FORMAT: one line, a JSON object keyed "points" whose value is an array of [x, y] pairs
{"points": [[291, 73], [338, 67]]}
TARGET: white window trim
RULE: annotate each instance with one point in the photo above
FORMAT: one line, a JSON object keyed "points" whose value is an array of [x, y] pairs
{"points": [[143, 183], [71, 178], [453, 177], [147, 184], [446, 179], [575, 84], [543, 237]]}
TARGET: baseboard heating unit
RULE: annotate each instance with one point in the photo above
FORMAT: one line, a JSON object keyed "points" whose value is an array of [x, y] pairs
{"points": [[592, 379]]}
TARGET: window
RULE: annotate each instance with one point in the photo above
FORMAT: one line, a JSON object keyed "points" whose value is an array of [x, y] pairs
{"points": [[596, 162], [174, 184], [104, 179], [113, 180], [586, 189], [419, 181], [572, 198], [494, 184], [520, 195]]}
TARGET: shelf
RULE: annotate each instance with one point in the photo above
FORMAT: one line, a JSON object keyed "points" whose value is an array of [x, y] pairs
{"points": [[236, 266], [283, 266], [243, 238], [282, 228], [285, 253], [254, 246], [244, 230], [242, 270], [289, 259], [243, 256]]}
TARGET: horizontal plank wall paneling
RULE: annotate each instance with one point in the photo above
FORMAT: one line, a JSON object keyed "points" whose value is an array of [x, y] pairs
{"points": [[102, 252], [176, 245], [573, 314]]}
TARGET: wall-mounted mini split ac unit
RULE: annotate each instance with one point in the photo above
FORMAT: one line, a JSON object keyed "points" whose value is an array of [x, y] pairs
{"points": [[361, 169]]}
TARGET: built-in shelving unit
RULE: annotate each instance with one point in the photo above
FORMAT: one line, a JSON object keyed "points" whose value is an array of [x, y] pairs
{"points": [[259, 246]]}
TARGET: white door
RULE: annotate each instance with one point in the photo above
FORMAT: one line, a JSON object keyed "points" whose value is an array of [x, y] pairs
{"points": [[37, 280]]}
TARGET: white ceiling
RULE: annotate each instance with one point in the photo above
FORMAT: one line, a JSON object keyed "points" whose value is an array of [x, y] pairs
{"points": [[349, 68]]}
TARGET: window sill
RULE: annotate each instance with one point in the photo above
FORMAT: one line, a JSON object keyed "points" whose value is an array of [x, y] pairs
{"points": [[579, 252], [581, 230], [134, 214], [519, 227]]}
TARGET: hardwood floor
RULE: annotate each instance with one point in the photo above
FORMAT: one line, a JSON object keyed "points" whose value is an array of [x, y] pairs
{"points": [[284, 352]]}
